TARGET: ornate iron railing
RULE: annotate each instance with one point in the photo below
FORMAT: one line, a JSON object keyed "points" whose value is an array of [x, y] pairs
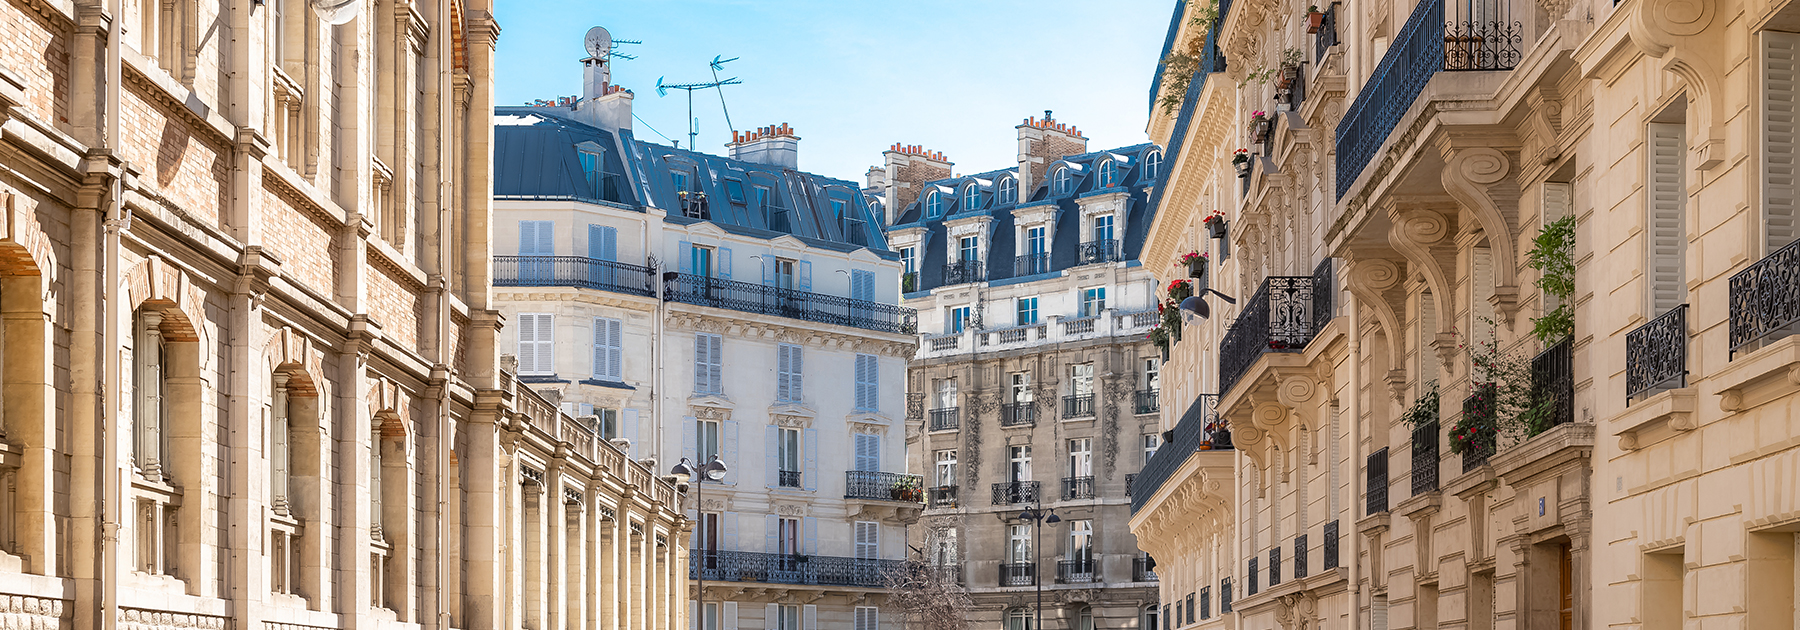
{"points": [[963, 272], [1765, 298], [572, 271], [1329, 546], [1483, 44], [1031, 264], [1100, 251], [1143, 569], [1553, 376], [803, 305], [1274, 566], [943, 496], [1327, 35], [1300, 571], [1377, 490], [1656, 354], [1018, 574], [1078, 406], [883, 486], [789, 478], [1282, 316], [946, 419], [1425, 458], [1224, 596], [772, 568], [1078, 487], [1188, 435], [1018, 414], [1416, 54], [1015, 492], [1130, 480], [948, 573], [1479, 410], [1146, 401], [1079, 571], [1254, 575]]}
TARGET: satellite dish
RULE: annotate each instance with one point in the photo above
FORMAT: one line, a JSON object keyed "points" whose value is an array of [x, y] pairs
{"points": [[337, 12], [599, 42]]}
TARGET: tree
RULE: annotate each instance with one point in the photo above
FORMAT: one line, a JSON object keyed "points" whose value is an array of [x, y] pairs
{"points": [[929, 597]]}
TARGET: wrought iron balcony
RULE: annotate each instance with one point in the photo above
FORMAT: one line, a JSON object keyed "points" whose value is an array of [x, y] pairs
{"points": [[1481, 405], [943, 496], [1274, 566], [1329, 546], [772, 568], [1031, 264], [1018, 574], [1130, 480], [946, 419], [1018, 414], [1327, 35], [789, 478], [1078, 487], [883, 486], [1253, 574], [1224, 595], [1656, 355], [1147, 401], [964, 272], [1078, 406], [1765, 299], [948, 573], [803, 305], [1194, 429], [572, 271], [1143, 569], [1079, 571], [1483, 44], [1425, 458], [1300, 571], [1377, 490], [1283, 316], [1553, 375], [1015, 492], [1100, 251]]}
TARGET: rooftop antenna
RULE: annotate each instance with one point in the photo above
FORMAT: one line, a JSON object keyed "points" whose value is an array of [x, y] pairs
{"points": [[662, 89], [717, 65], [602, 46]]}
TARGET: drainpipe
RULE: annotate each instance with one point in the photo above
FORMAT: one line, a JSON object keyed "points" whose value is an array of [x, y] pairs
{"points": [[111, 498], [1356, 448], [656, 346]]}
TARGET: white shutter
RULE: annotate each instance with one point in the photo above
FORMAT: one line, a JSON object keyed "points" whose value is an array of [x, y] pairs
{"points": [[728, 532], [1667, 192], [809, 447], [809, 617], [1781, 148], [706, 348], [867, 618], [536, 353], [783, 391], [716, 361], [868, 540], [771, 434], [730, 615], [608, 356], [867, 392], [795, 369], [772, 615], [728, 445]]}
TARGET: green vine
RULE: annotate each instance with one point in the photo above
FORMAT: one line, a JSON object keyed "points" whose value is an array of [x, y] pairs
{"points": [[1180, 66], [1424, 410], [1553, 255]]}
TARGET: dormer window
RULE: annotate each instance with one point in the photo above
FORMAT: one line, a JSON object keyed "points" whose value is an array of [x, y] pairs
{"points": [[934, 205], [971, 198], [1109, 174], [1009, 190], [1062, 182], [1152, 165]]}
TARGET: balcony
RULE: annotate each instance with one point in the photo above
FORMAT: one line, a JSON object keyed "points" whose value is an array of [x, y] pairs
{"points": [[1146, 401], [942, 496], [1656, 355], [1329, 547], [1327, 35], [772, 568], [572, 271], [1425, 458], [1078, 487], [1078, 406], [1253, 574], [1274, 567], [789, 478], [1015, 492], [1481, 405], [1031, 264], [1143, 569], [1377, 489], [964, 272], [1100, 251], [1130, 480], [803, 305], [1765, 299], [1553, 376], [946, 419], [1195, 432], [1080, 571], [1283, 316], [1018, 414], [1425, 46], [1018, 574], [948, 573], [869, 485], [1300, 571]]}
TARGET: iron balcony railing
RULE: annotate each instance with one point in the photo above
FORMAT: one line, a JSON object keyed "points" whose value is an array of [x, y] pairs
{"points": [[1018, 574], [1492, 44], [1283, 316], [1031, 264], [1553, 375], [946, 419], [1143, 569], [789, 478], [1274, 567], [1329, 546], [1765, 299], [1078, 571], [1327, 35], [1078, 487], [883, 486], [1100, 251], [1018, 414], [803, 305], [1130, 480], [1015, 492], [1254, 575], [1656, 355], [1377, 489], [572, 271], [1425, 458], [963, 272], [948, 573], [1224, 595], [1194, 428], [773, 568], [1078, 406], [1300, 571], [1146, 401], [1479, 409], [1206, 602], [943, 496]]}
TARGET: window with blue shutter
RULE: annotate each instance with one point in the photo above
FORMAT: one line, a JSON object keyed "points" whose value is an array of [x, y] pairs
{"points": [[868, 397], [868, 540], [862, 285], [868, 452], [537, 239], [603, 245]]}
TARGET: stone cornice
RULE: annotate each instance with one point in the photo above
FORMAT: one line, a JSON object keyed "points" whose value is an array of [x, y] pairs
{"points": [[772, 331]]}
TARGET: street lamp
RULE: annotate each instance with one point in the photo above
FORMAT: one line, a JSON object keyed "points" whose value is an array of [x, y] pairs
{"points": [[1038, 516], [714, 470]]}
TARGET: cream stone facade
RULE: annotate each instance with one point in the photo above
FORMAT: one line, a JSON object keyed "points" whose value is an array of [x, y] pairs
{"points": [[250, 345]]}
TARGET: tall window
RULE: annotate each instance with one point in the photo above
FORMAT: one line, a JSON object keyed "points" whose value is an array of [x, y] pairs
{"points": [[959, 319], [1152, 618], [1019, 464], [1152, 376], [537, 239], [1034, 240], [1081, 379], [971, 198], [787, 617], [1093, 301], [968, 249], [709, 364], [680, 180], [1152, 167], [537, 344], [1081, 457], [1667, 209], [607, 423], [1081, 540], [593, 164], [868, 452], [149, 449], [934, 205], [711, 617], [707, 435], [787, 456], [1018, 548], [1009, 190], [1062, 181], [1151, 441], [700, 260], [1020, 385], [868, 382], [868, 618], [787, 536], [944, 551], [909, 260], [945, 467], [608, 350], [1109, 173], [787, 386], [1019, 619], [1027, 311], [868, 540], [946, 393], [784, 273], [1103, 228]]}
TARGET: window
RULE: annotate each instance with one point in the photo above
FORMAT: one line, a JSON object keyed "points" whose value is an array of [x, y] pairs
{"points": [[1009, 190], [1081, 540], [709, 364], [734, 191], [1667, 210], [291, 409], [1062, 181], [1081, 379], [707, 436], [934, 205], [868, 382], [867, 618], [837, 208], [1084, 620], [868, 540], [1109, 174], [784, 273], [787, 617], [909, 260], [1152, 378], [787, 456], [1027, 311], [787, 384], [1081, 457], [968, 249], [1034, 240], [1152, 167], [971, 197], [149, 449], [680, 180], [1103, 228], [603, 244], [946, 393], [1019, 619], [537, 344], [607, 423], [593, 164], [1018, 548], [959, 319], [701, 261], [1093, 301], [1151, 441], [946, 467], [1021, 387], [945, 550], [538, 239], [787, 536], [608, 350], [1020, 464], [868, 452], [711, 614]]}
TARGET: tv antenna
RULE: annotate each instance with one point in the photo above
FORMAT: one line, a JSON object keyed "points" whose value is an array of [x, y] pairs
{"points": [[662, 89], [717, 65], [602, 46]]}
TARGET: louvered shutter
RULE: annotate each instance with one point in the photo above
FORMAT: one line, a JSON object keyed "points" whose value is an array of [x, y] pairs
{"points": [[1667, 202], [716, 357], [684, 257], [535, 343], [1781, 147], [690, 440], [783, 391], [868, 540], [603, 242], [809, 446], [866, 618], [702, 364], [810, 545], [772, 615], [722, 263], [771, 438], [728, 532], [867, 392], [868, 452], [694, 613], [809, 617], [796, 368], [728, 444], [630, 421], [771, 530], [804, 269], [608, 356], [862, 285]]}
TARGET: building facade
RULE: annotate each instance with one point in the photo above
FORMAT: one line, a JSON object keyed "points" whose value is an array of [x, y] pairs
{"points": [[691, 305], [1511, 350], [1033, 308], [250, 344]]}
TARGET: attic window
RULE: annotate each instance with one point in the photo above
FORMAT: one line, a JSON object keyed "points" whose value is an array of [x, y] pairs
{"points": [[1109, 174], [1009, 190], [971, 197], [1152, 165], [1062, 182], [934, 205], [734, 189]]}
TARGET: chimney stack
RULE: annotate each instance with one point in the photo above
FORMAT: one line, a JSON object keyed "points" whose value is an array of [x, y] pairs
{"points": [[908, 168], [1042, 142], [774, 145], [602, 104]]}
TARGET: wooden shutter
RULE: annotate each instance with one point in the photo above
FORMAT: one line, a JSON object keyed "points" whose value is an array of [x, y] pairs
{"points": [[1667, 192], [867, 618], [716, 357], [536, 347], [772, 615], [810, 542], [684, 257], [1780, 152], [862, 285], [603, 242], [771, 533], [706, 364], [690, 440], [867, 390], [537, 238], [608, 355], [728, 445], [784, 368], [722, 263], [868, 452], [868, 540]]}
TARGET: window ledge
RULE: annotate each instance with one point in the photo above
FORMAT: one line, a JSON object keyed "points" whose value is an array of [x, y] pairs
{"points": [[161, 491], [601, 383], [540, 378], [1644, 423]]}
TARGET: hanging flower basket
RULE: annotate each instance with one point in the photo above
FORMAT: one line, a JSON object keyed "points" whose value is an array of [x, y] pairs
{"points": [[1314, 19], [1243, 171], [1216, 228], [1196, 264]]}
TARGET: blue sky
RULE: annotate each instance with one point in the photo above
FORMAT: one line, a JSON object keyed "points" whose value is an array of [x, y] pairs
{"points": [[855, 77]]}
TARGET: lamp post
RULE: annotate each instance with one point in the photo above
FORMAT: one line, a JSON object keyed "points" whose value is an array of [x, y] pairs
{"points": [[714, 470], [1038, 516]]}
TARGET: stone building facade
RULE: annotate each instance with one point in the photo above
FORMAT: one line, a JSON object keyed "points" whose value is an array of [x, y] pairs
{"points": [[1033, 385], [250, 344]]}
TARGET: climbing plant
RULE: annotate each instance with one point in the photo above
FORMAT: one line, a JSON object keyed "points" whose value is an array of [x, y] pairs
{"points": [[1553, 255]]}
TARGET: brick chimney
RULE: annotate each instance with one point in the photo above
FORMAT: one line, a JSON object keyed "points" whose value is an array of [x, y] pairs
{"points": [[908, 168], [774, 145], [1042, 142]]}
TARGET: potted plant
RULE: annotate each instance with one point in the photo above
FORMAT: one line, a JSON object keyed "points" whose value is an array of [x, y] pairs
{"points": [[1160, 337], [1240, 160], [1196, 265], [1215, 223], [1259, 126], [1314, 19], [1205, 437]]}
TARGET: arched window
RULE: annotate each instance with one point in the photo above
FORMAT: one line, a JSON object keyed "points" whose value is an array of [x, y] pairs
{"points": [[1109, 173], [1009, 190], [1084, 618], [148, 450], [164, 407], [1152, 618], [1019, 619], [1062, 182], [971, 198], [1152, 165], [934, 205], [293, 464]]}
